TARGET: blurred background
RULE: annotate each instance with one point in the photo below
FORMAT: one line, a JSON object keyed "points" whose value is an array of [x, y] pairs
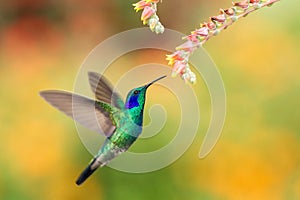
{"points": [[43, 43]]}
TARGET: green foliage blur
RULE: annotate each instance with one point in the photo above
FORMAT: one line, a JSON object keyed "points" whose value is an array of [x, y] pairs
{"points": [[43, 43]]}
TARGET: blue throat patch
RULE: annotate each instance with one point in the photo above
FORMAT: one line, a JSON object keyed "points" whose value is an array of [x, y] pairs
{"points": [[133, 102]]}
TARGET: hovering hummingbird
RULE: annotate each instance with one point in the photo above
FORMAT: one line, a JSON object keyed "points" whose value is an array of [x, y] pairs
{"points": [[120, 122]]}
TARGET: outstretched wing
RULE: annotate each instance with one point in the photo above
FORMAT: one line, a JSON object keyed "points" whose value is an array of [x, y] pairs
{"points": [[93, 115], [103, 90]]}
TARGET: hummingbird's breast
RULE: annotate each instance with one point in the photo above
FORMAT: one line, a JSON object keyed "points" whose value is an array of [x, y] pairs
{"points": [[119, 142], [126, 133]]}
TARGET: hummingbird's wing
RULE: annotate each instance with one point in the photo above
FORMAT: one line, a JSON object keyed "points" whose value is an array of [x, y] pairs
{"points": [[103, 90], [94, 115]]}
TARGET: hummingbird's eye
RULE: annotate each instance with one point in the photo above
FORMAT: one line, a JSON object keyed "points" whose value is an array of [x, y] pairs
{"points": [[135, 92]]}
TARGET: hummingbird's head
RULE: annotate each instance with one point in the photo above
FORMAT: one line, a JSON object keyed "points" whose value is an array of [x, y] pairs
{"points": [[136, 97]]}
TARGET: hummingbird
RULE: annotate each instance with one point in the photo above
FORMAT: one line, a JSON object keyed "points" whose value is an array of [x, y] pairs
{"points": [[121, 123]]}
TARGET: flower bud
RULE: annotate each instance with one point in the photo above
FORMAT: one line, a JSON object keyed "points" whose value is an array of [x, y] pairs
{"points": [[159, 28], [140, 5], [147, 13], [219, 18], [229, 11], [242, 4]]}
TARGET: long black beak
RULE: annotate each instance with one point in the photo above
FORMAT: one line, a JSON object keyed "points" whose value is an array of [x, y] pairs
{"points": [[146, 86]]}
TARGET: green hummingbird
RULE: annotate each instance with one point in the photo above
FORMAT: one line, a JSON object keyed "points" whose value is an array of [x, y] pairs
{"points": [[121, 123]]}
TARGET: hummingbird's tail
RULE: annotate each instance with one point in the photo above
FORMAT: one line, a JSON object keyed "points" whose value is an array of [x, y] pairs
{"points": [[89, 170]]}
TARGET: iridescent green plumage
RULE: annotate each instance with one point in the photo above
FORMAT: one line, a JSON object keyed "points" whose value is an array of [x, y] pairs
{"points": [[120, 122]]}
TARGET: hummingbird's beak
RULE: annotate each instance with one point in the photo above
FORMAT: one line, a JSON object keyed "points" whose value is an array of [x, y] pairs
{"points": [[146, 86]]}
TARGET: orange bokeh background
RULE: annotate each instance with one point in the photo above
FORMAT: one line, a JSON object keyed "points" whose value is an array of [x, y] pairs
{"points": [[43, 43]]}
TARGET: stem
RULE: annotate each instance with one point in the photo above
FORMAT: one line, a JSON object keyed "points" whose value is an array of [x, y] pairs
{"points": [[268, 3], [180, 58]]}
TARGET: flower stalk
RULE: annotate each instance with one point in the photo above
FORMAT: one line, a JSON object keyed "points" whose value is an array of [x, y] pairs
{"points": [[180, 58], [149, 16]]}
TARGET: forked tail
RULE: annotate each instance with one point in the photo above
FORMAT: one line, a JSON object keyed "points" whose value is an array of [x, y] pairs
{"points": [[89, 170]]}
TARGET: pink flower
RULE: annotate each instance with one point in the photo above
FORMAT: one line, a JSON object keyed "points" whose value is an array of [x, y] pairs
{"points": [[229, 11], [174, 57], [254, 1], [179, 60], [141, 5], [188, 46], [243, 4], [147, 13], [203, 31], [210, 25], [192, 37], [219, 18], [178, 68]]}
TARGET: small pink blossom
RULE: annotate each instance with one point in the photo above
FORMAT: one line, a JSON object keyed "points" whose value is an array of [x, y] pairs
{"points": [[179, 60], [177, 56], [203, 31], [147, 13], [149, 16], [211, 26], [193, 38], [219, 18], [254, 1], [242, 4], [179, 68], [229, 11], [140, 5], [188, 46]]}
